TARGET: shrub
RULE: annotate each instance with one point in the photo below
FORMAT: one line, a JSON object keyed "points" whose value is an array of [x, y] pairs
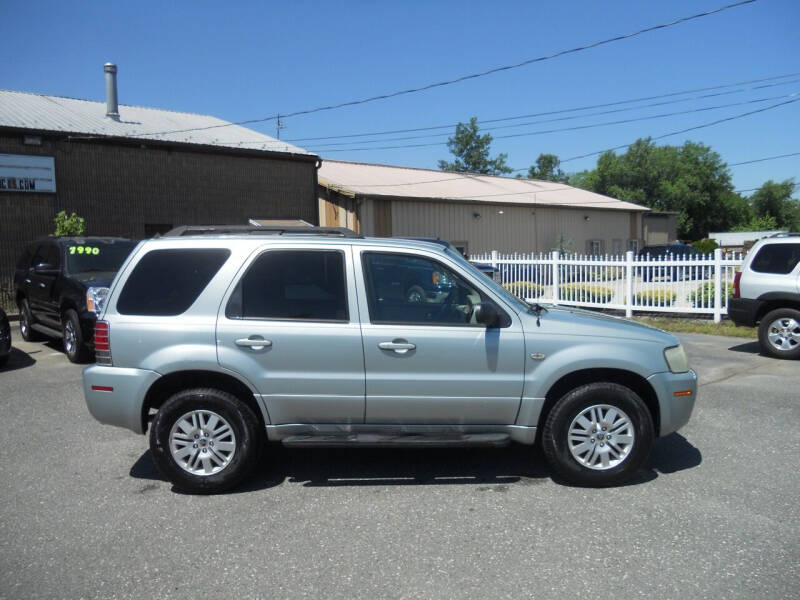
{"points": [[524, 289], [69, 225], [605, 273], [704, 294], [655, 298], [705, 246], [585, 292]]}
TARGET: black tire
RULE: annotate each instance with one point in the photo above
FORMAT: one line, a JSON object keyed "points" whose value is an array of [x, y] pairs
{"points": [[243, 422], [555, 437], [25, 322], [72, 338], [3, 360], [786, 315]]}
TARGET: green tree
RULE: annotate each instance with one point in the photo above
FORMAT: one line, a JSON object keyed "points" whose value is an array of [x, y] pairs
{"points": [[472, 152], [775, 200], [689, 179], [547, 168], [69, 225], [766, 223]]}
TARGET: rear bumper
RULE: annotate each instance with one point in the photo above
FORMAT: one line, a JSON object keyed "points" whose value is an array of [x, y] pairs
{"points": [[743, 311], [115, 396], [674, 411]]}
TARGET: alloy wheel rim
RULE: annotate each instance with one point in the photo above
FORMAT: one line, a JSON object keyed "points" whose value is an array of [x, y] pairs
{"points": [[784, 334], [69, 337], [601, 437], [202, 443]]}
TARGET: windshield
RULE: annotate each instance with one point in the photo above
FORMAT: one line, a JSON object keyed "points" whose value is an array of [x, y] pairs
{"points": [[496, 287], [89, 255]]}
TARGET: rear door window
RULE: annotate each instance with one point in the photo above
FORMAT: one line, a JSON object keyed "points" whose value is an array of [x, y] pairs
{"points": [[776, 258], [306, 285], [167, 282]]}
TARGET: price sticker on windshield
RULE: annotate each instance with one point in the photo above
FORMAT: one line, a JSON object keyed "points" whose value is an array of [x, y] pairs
{"points": [[90, 250]]}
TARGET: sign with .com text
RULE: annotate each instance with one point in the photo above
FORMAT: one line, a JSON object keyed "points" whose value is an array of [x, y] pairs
{"points": [[26, 173]]}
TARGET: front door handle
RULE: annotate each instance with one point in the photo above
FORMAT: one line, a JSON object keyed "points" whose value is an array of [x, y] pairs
{"points": [[400, 347], [256, 343]]}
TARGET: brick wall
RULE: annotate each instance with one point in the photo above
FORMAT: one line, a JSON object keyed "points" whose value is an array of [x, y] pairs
{"points": [[119, 189]]}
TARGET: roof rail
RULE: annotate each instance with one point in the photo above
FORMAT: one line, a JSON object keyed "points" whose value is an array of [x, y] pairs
{"points": [[185, 230], [784, 235]]}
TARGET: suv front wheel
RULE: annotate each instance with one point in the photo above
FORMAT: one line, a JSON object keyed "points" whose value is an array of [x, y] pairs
{"points": [[204, 440], [779, 333], [599, 434]]}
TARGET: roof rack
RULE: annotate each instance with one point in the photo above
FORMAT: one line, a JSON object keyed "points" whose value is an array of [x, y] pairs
{"points": [[185, 230], [784, 235]]}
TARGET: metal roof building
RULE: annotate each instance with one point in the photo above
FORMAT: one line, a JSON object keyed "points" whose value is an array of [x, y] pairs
{"points": [[478, 213], [134, 172]]}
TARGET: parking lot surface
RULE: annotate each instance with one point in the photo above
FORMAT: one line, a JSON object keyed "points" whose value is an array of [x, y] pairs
{"points": [[715, 514]]}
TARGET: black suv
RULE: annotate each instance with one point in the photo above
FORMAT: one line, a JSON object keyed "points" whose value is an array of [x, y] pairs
{"points": [[61, 284]]}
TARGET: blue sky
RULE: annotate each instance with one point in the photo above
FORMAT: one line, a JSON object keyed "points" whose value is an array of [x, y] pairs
{"points": [[246, 60]]}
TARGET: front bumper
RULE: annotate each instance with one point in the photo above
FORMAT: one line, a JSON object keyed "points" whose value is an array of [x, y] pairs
{"points": [[115, 396], [674, 411]]}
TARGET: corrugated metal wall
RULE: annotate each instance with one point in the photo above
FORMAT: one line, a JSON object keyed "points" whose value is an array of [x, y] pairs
{"points": [[505, 228], [118, 189]]}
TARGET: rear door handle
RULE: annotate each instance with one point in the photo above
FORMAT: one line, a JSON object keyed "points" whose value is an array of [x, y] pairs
{"points": [[254, 343], [397, 346]]}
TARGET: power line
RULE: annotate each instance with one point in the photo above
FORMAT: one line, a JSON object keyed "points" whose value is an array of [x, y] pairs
{"points": [[756, 160], [580, 108], [463, 78], [541, 132], [581, 127], [696, 127]]}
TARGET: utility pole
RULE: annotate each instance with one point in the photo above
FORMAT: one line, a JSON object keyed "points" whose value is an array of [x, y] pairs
{"points": [[279, 126]]}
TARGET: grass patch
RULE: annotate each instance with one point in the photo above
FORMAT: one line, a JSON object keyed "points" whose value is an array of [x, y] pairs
{"points": [[705, 326]]}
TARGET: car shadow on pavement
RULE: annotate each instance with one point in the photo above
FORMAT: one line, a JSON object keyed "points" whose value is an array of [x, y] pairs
{"points": [[492, 468], [748, 348], [18, 359]]}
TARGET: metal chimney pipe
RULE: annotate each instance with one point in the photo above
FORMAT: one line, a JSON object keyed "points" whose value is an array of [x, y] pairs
{"points": [[112, 108]]}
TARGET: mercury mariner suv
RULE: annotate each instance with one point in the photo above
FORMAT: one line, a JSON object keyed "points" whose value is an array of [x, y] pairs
{"points": [[220, 339]]}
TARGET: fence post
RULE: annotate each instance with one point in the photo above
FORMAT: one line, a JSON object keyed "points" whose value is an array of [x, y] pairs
{"points": [[717, 285], [629, 284], [555, 276]]}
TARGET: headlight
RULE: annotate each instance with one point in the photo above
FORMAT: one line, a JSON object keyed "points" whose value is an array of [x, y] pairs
{"points": [[96, 299], [676, 359]]}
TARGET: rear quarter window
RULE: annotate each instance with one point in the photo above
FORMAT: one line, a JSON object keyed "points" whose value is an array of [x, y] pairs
{"points": [[167, 282], [776, 258]]}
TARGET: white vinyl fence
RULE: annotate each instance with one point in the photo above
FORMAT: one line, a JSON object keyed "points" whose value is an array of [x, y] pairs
{"points": [[689, 284]]}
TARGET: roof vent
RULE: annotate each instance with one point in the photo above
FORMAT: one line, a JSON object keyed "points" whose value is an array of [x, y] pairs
{"points": [[112, 108]]}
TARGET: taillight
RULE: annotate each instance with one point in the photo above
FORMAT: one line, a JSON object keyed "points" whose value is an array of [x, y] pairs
{"points": [[736, 280], [102, 343]]}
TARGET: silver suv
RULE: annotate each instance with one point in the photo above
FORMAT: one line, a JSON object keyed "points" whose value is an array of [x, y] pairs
{"points": [[223, 339], [766, 293]]}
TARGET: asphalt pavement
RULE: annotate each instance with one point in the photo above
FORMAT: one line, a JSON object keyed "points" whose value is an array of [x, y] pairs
{"points": [[84, 514]]}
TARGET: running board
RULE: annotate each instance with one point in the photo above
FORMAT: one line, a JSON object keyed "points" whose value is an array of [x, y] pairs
{"points": [[377, 440], [49, 331]]}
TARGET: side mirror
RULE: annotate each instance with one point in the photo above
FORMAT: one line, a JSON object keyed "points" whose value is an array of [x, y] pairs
{"points": [[486, 314], [45, 269]]}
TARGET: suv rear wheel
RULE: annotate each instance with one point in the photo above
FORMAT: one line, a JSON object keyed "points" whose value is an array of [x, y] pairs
{"points": [[25, 322], [599, 434], [779, 333], [205, 440]]}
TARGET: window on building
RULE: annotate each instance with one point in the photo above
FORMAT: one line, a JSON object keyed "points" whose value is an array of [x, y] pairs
{"points": [[777, 258], [594, 247], [633, 245], [292, 284], [167, 282]]}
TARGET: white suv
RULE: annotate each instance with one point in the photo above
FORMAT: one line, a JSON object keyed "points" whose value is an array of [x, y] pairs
{"points": [[767, 293]]}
